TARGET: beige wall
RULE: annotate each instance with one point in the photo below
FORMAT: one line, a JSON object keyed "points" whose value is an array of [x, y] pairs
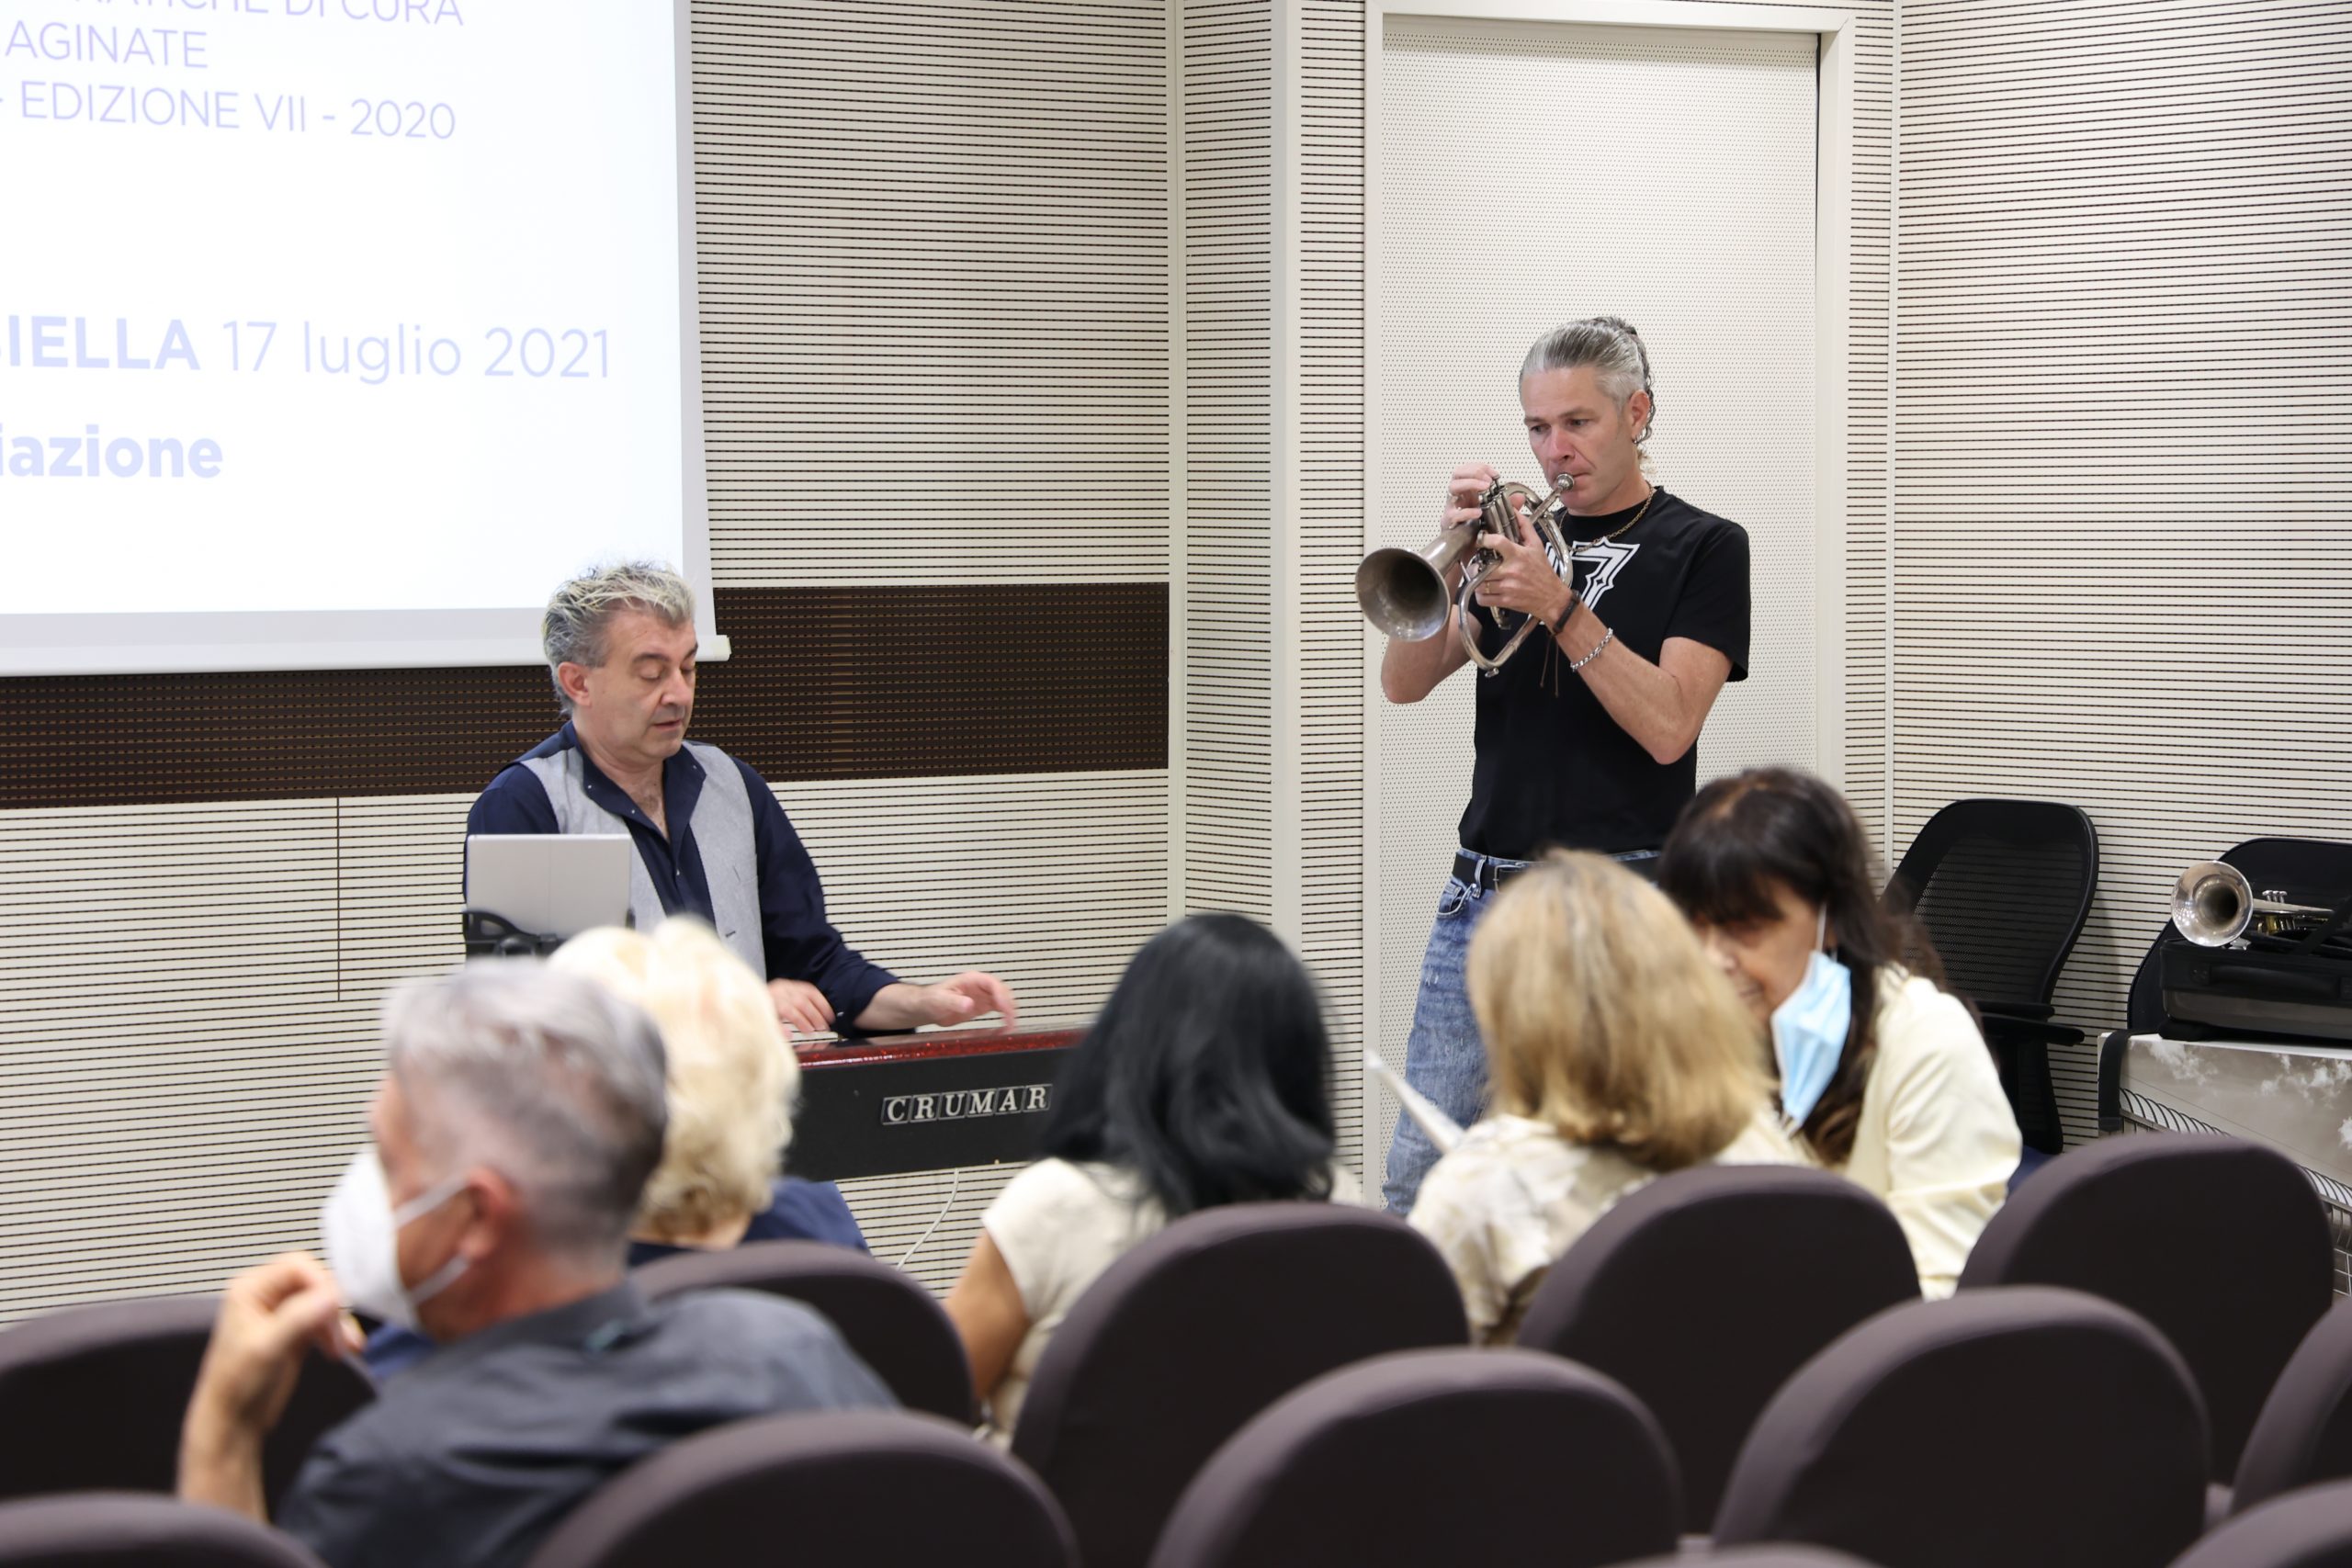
{"points": [[2096, 541], [2122, 466], [936, 298]]}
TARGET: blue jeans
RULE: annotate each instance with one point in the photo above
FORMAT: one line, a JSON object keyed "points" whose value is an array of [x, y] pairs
{"points": [[1444, 1057]]}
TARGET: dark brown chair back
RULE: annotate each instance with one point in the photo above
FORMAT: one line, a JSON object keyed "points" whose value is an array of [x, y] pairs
{"points": [[2303, 1435], [132, 1529], [1502, 1456], [891, 1321], [1753, 1557], [1199, 1328], [2311, 1529], [110, 1385], [2219, 1242], [1704, 1290], [879, 1488], [2031, 1427]]}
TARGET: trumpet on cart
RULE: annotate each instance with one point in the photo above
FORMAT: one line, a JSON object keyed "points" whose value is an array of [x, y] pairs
{"points": [[2213, 905]]}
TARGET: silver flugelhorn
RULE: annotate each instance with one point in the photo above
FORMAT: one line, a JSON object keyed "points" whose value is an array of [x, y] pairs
{"points": [[2213, 903], [1404, 592]]}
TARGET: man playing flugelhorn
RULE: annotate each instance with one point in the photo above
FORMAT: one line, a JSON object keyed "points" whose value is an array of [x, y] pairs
{"points": [[1589, 740]]}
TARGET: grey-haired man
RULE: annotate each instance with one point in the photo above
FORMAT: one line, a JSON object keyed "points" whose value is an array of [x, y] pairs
{"points": [[520, 1113], [1588, 737], [711, 840]]}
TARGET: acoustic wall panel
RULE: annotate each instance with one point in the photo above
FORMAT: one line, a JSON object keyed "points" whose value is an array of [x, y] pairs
{"points": [[1050, 880], [936, 244], [188, 1004], [1326, 528], [1866, 737], [2122, 544], [184, 1063], [934, 286], [926, 1223], [1228, 653]]}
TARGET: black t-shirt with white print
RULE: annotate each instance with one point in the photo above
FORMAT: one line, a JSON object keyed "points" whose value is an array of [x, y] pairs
{"points": [[1552, 767]]}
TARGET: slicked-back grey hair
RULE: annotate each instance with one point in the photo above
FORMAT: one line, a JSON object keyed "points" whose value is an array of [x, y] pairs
{"points": [[546, 1077], [581, 612], [1610, 346]]}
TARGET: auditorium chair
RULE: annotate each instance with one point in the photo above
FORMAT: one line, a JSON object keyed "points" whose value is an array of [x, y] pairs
{"points": [[1900, 1442], [111, 1383], [2003, 888], [1199, 1328], [1492, 1455], [2303, 1434], [1773, 1556], [2311, 1529], [894, 1324], [879, 1488], [1704, 1290], [2219, 1242], [132, 1529]]}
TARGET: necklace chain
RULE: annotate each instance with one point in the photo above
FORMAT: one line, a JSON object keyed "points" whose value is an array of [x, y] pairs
{"points": [[1621, 527]]}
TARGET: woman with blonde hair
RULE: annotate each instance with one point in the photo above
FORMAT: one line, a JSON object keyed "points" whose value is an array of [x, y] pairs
{"points": [[732, 1079], [1615, 1052]]}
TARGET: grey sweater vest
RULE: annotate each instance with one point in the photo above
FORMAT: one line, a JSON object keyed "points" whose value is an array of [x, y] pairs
{"points": [[722, 834]]}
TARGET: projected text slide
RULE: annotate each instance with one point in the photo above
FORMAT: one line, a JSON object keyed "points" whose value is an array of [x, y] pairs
{"points": [[334, 306]]}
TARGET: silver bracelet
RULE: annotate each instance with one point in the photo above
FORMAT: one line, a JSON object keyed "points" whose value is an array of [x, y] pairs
{"points": [[1607, 637]]}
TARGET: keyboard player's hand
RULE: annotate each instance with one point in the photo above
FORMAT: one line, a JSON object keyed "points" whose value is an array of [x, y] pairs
{"points": [[968, 996], [801, 1006]]}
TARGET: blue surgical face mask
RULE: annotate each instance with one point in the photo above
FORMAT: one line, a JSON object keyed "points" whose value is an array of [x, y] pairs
{"points": [[1809, 1030]]}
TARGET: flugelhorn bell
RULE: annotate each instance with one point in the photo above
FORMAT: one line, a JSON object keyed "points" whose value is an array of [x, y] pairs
{"points": [[1405, 594], [2213, 903]]}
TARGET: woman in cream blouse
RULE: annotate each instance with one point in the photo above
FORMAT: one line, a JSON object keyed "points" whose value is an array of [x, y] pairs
{"points": [[1773, 868]]}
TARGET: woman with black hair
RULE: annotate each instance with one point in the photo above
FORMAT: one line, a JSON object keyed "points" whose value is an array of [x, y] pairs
{"points": [[1204, 1080], [1882, 1071]]}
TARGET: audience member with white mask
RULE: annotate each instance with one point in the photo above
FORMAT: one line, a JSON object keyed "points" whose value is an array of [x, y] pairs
{"points": [[520, 1113], [1883, 1072]]}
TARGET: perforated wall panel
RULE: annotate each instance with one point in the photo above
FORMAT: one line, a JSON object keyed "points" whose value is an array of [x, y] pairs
{"points": [[187, 1032], [1050, 880], [1225, 657], [934, 286], [1328, 530], [926, 1223], [1705, 241], [1868, 459], [188, 1008], [2123, 548]]}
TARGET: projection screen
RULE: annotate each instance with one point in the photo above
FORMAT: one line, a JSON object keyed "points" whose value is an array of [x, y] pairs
{"points": [[334, 333]]}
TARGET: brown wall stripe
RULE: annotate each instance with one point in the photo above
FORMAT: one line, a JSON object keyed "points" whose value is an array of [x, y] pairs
{"points": [[823, 684]]}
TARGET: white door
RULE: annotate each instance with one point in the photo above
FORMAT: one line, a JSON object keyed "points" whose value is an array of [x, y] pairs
{"points": [[1529, 174]]}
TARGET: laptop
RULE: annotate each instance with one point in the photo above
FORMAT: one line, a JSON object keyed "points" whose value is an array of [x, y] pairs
{"points": [[550, 884]]}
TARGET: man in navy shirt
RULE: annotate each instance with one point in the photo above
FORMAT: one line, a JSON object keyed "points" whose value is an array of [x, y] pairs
{"points": [[711, 840]]}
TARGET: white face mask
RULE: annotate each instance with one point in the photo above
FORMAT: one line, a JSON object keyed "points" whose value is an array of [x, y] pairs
{"points": [[361, 1230]]}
